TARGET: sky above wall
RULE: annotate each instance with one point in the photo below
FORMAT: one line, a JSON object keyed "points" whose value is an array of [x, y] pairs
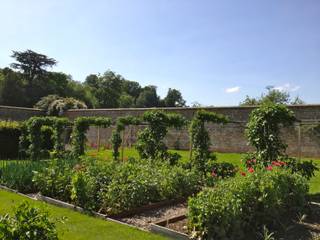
{"points": [[215, 52]]}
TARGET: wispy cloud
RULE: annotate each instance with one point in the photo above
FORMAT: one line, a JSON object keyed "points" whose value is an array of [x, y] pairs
{"points": [[287, 88], [232, 90]]}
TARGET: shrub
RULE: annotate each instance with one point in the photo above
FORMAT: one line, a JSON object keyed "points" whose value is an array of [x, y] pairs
{"points": [[9, 139], [80, 127], [238, 207], [55, 180], [150, 143], [263, 131], [137, 183], [82, 187], [27, 223], [54, 105], [18, 174], [200, 140]]}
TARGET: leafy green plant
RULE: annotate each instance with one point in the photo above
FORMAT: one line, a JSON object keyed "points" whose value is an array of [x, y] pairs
{"points": [[150, 143], [82, 189], [28, 223], [55, 180], [32, 140], [18, 174], [116, 139], [80, 127], [200, 140], [236, 208], [10, 132], [263, 131]]}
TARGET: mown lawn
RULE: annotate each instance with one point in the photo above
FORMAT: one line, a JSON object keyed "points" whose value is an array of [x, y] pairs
{"points": [[78, 226], [234, 158]]}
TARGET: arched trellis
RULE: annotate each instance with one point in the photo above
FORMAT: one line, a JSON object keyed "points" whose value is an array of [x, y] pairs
{"points": [[31, 134], [150, 140], [116, 139], [81, 126], [199, 137]]}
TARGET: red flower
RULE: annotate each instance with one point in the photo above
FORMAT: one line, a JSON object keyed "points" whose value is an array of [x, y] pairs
{"points": [[269, 168], [213, 174], [250, 170], [276, 163], [243, 173]]}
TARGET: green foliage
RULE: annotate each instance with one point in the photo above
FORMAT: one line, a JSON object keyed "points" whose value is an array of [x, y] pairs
{"points": [[55, 179], [116, 140], [139, 183], [54, 105], [263, 131], [27, 223], [150, 140], [306, 169], [80, 127], [238, 207], [82, 188], [274, 96], [174, 99], [148, 97], [32, 135], [18, 174], [9, 139], [200, 139]]}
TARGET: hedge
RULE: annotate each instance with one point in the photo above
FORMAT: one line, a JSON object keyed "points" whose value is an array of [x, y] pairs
{"points": [[9, 139], [239, 207]]}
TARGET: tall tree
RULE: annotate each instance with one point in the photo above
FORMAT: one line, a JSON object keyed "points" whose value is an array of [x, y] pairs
{"points": [[148, 97], [32, 64], [272, 96], [11, 89], [174, 99]]}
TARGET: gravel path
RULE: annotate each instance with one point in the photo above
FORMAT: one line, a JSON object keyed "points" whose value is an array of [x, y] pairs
{"points": [[143, 220]]}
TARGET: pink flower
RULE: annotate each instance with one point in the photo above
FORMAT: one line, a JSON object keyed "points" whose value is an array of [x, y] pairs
{"points": [[269, 168], [276, 163], [213, 174], [250, 170]]}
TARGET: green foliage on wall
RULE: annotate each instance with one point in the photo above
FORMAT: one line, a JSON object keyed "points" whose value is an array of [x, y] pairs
{"points": [[200, 140], [80, 127]]}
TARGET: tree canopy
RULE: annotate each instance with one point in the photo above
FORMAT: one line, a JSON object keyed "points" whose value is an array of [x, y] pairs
{"points": [[29, 80], [272, 96]]}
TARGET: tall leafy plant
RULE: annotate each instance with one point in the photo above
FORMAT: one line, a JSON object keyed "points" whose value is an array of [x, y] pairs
{"points": [[200, 140], [80, 127], [263, 130], [31, 135], [116, 139], [150, 140]]}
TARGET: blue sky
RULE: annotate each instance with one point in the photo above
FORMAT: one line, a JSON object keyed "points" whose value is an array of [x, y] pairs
{"points": [[215, 52]]}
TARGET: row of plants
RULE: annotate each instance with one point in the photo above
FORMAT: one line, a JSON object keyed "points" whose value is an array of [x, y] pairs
{"points": [[112, 187], [238, 208], [268, 195]]}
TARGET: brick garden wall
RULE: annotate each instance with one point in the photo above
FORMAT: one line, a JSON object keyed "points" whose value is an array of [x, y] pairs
{"points": [[225, 138], [18, 113]]}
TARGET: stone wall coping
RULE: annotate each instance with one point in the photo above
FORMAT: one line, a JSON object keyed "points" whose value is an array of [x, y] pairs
{"points": [[184, 108], [21, 108]]}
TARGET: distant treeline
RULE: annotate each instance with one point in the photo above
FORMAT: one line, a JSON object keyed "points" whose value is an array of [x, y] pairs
{"points": [[27, 80]]}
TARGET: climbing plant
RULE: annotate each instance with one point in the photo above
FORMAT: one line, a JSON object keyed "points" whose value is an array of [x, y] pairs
{"points": [[32, 140], [263, 131], [116, 139], [150, 140], [80, 127], [200, 140]]}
